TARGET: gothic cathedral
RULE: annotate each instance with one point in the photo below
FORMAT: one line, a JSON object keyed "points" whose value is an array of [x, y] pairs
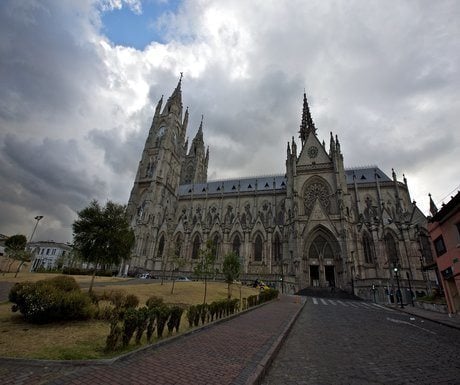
{"points": [[320, 224]]}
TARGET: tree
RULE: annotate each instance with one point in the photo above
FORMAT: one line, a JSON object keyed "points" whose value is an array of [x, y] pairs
{"points": [[177, 262], [102, 235], [231, 269], [15, 248], [205, 266]]}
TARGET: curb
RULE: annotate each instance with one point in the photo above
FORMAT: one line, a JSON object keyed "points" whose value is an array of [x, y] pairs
{"points": [[262, 367], [440, 322]]}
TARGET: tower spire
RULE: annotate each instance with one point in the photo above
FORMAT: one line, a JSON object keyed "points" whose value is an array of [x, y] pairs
{"points": [[433, 208], [306, 126], [174, 103]]}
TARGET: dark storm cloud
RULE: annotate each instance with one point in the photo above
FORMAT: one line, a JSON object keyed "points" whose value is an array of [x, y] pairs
{"points": [[45, 68], [75, 109]]}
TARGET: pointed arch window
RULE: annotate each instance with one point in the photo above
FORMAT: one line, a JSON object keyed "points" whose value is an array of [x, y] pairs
{"points": [[391, 249], [178, 246], [145, 246], [161, 247], [321, 248], [215, 245], [277, 253], [236, 245], [196, 247], [369, 250], [258, 248]]}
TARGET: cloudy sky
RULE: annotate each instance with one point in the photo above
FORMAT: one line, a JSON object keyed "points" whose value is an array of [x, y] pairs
{"points": [[79, 80]]}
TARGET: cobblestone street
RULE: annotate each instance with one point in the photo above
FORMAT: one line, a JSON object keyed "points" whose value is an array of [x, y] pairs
{"points": [[354, 342]]}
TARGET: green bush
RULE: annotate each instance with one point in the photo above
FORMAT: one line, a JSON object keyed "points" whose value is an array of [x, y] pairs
{"points": [[64, 283], [112, 340], [191, 313], [151, 324], [129, 325], [174, 319], [252, 300], [162, 313], [154, 301], [50, 300], [142, 322], [268, 295]]}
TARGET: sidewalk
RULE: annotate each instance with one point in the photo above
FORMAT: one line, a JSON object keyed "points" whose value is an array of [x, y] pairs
{"points": [[452, 321], [236, 351]]}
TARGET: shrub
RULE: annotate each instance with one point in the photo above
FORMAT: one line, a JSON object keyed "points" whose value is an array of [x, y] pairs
{"points": [[45, 301], [174, 319], [151, 323], [268, 295], [162, 313], [191, 315], [129, 325], [252, 300], [142, 321], [64, 283], [111, 342], [131, 301], [154, 301]]}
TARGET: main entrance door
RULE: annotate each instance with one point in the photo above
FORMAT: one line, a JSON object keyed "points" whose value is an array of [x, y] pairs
{"points": [[314, 275], [329, 275]]}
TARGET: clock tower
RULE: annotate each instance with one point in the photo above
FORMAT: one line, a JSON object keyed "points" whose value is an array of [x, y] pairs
{"points": [[154, 195]]}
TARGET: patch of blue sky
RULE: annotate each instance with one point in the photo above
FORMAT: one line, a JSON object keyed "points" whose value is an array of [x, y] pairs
{"points": [[125, 27]]}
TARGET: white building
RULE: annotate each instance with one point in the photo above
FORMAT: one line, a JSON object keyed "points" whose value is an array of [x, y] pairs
{"points": [[46, 254]]}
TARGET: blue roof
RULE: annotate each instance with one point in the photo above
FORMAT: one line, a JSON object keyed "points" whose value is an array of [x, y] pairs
{"points": [[365, 175], [273, 183], [232, 186]]}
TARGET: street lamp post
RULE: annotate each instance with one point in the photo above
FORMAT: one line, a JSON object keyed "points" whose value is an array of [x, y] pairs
{"points": [[37, 218], [395, 269], [410, 289]]}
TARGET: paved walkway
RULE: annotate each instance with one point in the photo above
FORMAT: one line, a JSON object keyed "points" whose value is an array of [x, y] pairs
{"points": [[237, 351], [452, 320], [231, 352]]}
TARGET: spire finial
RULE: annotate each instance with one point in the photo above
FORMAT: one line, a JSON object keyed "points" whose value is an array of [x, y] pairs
{"points": [[306, 125]]}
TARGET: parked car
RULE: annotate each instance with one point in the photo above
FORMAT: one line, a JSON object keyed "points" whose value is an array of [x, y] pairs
{"points": [[145, 276], [183, 279]]}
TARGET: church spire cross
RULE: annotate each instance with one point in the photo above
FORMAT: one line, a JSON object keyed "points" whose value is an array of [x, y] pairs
{"points": [[306, 126]]}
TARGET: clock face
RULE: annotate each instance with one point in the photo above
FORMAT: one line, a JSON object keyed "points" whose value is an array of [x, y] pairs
{"points": [[161, 131], [312, 152]]}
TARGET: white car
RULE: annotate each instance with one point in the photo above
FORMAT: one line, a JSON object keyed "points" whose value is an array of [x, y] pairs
{"points": [[183, 279]]}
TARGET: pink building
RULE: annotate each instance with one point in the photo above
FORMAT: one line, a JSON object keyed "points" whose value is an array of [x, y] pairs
{"points": [[444, 228]]}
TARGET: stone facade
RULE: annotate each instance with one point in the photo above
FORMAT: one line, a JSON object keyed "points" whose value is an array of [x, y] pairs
{"points": [[319, 224]]}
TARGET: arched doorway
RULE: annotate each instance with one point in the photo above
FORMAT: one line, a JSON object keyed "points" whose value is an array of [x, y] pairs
{"points": [[321, 254]]}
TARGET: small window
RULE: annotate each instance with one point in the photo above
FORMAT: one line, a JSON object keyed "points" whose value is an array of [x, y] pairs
{"points": [[233, 188], [218, 189], [283, 184], [363, 177], [204, 190], [266, 185], [439, 246], [249, 186]]}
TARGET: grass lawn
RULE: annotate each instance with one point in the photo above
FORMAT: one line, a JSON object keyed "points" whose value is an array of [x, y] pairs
{"points": [[86, 339]]}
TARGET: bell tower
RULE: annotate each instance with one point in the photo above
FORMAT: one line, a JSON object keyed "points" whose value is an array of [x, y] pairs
{"points": [[154, 194]]}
